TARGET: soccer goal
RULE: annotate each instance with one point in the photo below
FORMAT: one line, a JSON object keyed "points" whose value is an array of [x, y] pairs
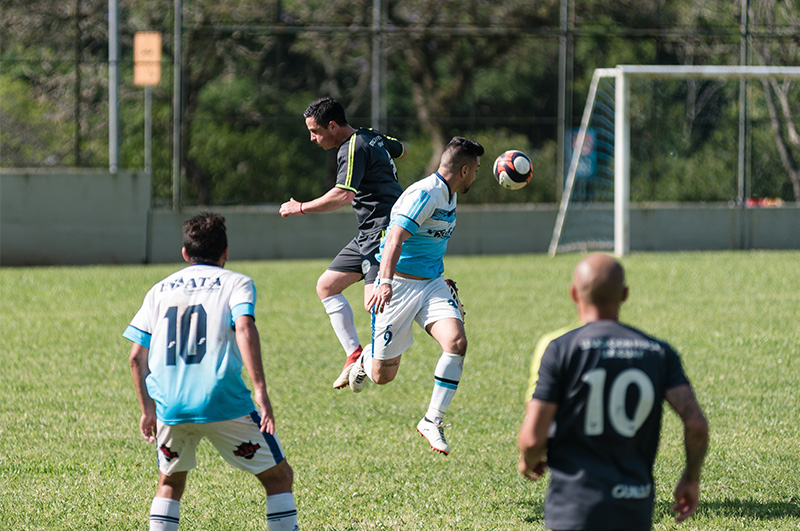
{"points": [[594, 208]]}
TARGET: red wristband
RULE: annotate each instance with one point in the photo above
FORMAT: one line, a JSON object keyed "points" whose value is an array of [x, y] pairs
{"points": [[301, 208]]}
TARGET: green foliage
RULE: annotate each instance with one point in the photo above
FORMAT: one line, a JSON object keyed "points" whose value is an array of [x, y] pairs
{"points": [[27, 130], [482, 69], [69, 417]]}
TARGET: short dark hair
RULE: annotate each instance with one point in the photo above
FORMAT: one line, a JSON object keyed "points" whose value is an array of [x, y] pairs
{"points": [[326, 110], [460, 151], [204, 238]]}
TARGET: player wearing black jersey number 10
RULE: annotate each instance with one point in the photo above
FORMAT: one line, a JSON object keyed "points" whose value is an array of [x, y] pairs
{"points": [[594, 412]]}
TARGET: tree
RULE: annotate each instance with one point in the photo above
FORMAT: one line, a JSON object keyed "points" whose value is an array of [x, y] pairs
{"points": [[782, 101], [443, 46]]}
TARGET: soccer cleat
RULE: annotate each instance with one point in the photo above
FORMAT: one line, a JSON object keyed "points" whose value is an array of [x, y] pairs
{"points": [[358, 376], [434, 433], [454, 293], [344, 379]]}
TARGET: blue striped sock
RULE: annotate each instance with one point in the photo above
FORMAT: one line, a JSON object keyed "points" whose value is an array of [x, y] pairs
{"points": [[281, 512], [445, 382]]}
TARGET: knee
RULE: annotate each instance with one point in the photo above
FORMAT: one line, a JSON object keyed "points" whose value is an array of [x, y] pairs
{"points": [[286, 476], [278, 478], [323, 288], [459, 345]]}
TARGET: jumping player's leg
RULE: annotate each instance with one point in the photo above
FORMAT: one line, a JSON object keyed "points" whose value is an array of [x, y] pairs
{"points": [[450, 335], [391, 336], [443, 320], [330, 286]]}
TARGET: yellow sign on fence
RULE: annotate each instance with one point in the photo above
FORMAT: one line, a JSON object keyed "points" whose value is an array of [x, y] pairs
{"points": [[146, 58]]}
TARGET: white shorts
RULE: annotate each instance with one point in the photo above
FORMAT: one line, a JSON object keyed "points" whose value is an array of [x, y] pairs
{"points": [[424, 301], [239, 441]]}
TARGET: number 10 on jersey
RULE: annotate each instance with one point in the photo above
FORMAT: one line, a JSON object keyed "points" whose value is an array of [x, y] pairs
{"points": [[599, 407], [191, 326]]}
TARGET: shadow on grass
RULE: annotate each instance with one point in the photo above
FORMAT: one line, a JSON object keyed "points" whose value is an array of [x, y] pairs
{"points": [[747, 509], [737, 508], [532, 509]]}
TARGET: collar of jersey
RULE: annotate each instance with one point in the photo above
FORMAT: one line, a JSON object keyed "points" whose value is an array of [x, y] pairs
{"points": [[445, 183]]}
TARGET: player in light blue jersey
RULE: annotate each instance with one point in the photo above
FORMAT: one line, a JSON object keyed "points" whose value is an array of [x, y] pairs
{"points": [[191, 337], [410, 286]]}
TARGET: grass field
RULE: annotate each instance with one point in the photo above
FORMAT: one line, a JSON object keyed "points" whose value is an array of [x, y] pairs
{"points": [[71, 456]]}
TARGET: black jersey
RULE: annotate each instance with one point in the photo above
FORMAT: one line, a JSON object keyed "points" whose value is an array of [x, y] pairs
{"points": [[366, 167], [609, 381]]}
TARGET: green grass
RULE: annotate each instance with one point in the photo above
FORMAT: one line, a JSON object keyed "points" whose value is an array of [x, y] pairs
{"points": [[71, 456]]}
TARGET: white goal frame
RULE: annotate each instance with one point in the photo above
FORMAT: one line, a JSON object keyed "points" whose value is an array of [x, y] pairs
{"points": [[622, 75]]}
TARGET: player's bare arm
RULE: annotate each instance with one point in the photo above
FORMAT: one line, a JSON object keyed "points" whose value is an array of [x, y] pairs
{"points": [[334, 199], [532, 438], [382, 295], [139, 371], [249, 343], [687, 491]]}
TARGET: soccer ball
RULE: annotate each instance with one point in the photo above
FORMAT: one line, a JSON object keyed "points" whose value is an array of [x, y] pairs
{"points": [[513, 169]]}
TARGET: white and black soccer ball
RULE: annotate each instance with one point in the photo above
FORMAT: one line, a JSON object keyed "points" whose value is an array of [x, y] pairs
{"points": [[513, 169]]}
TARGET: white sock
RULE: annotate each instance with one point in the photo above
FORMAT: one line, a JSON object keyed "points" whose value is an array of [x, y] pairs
{"points": [[281, 512], [164, 514], [445, 382], [342, 321], [368, 359]]}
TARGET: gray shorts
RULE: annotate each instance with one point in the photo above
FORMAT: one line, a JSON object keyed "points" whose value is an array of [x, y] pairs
{"points": [[358, 256]]}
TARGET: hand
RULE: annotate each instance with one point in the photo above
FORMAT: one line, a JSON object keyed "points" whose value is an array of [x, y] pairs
{"points": [[380, 298], [532, 473], [290, 208], [267, 418], [147, 426], [687, 498]]}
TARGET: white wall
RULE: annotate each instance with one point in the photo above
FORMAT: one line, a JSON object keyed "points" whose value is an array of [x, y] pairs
{"points": [[93, 217], [73, 217]]}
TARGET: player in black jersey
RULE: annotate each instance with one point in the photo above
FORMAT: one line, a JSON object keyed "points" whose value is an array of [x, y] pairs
{"points": [[594, 410], [366, 178]]}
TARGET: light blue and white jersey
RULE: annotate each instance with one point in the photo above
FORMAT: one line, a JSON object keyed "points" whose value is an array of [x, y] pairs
{"points": [[187, 322], [427, 210]]}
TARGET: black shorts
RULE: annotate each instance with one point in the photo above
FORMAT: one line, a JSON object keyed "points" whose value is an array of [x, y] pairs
{"points": [[358, 256]]}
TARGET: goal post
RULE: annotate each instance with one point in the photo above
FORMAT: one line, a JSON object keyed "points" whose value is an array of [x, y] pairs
{"points": [[621, 76]]}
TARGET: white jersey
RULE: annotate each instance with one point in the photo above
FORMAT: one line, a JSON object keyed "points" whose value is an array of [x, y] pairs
{"points": [[426, 209], [187, 322]]}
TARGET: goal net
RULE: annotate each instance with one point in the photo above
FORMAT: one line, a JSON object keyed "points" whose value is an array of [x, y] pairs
{"points": [[689, 132]]}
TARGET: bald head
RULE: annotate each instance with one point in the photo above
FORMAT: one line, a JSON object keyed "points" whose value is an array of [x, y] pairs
{"points": [[599, 281]]}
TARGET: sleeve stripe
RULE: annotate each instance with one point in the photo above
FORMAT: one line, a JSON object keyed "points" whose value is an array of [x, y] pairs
{"points": [[538, 354], [244, 308], [351, 149], [344, 187], [406, 224], [140, 337], [418, 205]]}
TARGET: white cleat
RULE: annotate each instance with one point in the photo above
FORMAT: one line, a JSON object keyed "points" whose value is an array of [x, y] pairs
{"points": [[357, 378], [344, 379], [434, 433]]}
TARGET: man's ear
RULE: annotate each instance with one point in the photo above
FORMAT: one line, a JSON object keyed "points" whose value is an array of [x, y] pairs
{"points": [[185, 255]]}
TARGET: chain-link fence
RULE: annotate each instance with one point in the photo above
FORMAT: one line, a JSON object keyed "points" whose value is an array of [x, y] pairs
{"points": [[508, 73]]}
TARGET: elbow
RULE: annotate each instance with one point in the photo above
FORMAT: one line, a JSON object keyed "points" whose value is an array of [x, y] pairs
{"points": [[697, 430]]}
